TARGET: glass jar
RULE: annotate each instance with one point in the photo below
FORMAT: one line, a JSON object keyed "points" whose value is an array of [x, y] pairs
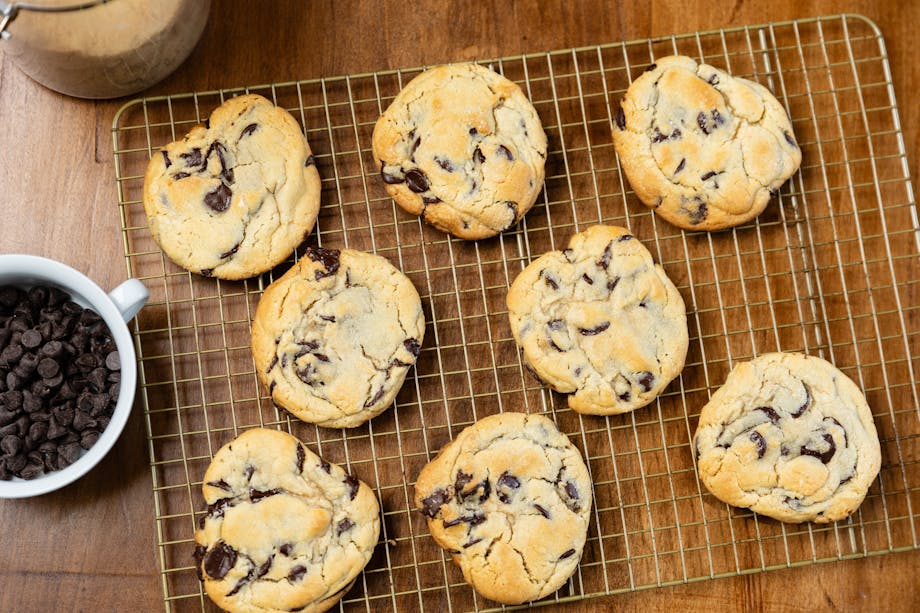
{"points": [[101, 48]]}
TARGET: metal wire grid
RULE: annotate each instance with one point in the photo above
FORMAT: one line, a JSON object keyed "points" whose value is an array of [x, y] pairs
{"points": [[828, 269]]}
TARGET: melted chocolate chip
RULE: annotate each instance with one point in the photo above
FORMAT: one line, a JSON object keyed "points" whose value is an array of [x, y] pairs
{"points": [[221, 484], [761, 443], [587, 279], [219, 560], [658, 137], [612, 283], [571, 490], [374, 399], [620, 118], [301, 457], [344, 526], [433, 503], [824, 456], [390, 178], [256, 495], [713, 80], [594, 331], [486, 490], [604, 262], [353, 485], [166, 159], [770, 413], [218, 199], [541, 511], [514, 215], [417, 181], [505, 152], [567, 554], [479, 156], [708, 175], [310, 161], [327, 468], [646, 380], [683, 162], [286, 549], [249, 471], [192, 158], [227, 254], [808, 398], [625, 237], [413, 346], [789, 138], [444, 164], [329, 258], [625, 396], [249, 129], [556, 324], [180, 175], [471, 542], [297, 573], [549, 280]]}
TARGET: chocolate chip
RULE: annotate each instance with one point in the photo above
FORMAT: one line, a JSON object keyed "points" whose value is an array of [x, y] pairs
{"points": [[658, 137], [413, 346], [505, 152], [353, 485], [432, 504], [180, 175], [479, 156], [824, 456], [541, 511], [374, 399], [297, 573], [646, 379], [444, 164], [218, 199], [31, 339], [286, 549], [594, 331], [770, 413], [391, 178], [344, 526], [327, 468], [708, 175], [310, 161], [417, 181], [257, 495], [789, 138], [587, 279], [604, 260], [219, 560], [192, 158], [620, 118], [713, 80], [228, 253], [221, 484], [329, 258], [249, 129], [571, 490], [761, 443], [567, 554], [166, 159], [612, 283], [625, 237], [301, 457], [549, 280], [804, 407]]}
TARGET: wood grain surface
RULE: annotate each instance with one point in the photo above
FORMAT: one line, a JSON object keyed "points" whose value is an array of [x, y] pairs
{"points": [[92, 546]]}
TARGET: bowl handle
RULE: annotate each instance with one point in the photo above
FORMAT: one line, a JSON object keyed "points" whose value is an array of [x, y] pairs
{"points": [[129, 297]]}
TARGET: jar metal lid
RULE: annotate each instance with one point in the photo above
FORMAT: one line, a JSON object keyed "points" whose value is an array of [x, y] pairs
{"points": [[9, 10]]}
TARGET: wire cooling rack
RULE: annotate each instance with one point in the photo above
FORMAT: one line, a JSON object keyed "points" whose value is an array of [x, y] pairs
{"points": [[829, 268]]}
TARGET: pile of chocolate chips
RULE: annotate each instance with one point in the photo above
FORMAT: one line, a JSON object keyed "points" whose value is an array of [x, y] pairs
{"points": [[59, 380]]}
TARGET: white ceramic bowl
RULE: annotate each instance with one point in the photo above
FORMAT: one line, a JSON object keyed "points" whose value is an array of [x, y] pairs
{"points": [[116, 308]]}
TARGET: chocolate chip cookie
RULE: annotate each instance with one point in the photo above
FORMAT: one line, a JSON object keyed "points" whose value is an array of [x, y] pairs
{"points": [[510, 499], [284, 529], [236, 196], [335, 336], [601, 321], [704, 149], [788, 436], [462, 147]]}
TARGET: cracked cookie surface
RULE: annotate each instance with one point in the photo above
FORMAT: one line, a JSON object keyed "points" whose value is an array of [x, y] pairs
{"points": [[510, 499], [462, 147], [788, 436], [235, 197], [704, 149], [601, 321], [334, 337], [284, 530]]}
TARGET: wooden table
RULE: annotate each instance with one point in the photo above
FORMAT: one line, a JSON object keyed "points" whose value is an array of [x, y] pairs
{"points": [[92, 546]]}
